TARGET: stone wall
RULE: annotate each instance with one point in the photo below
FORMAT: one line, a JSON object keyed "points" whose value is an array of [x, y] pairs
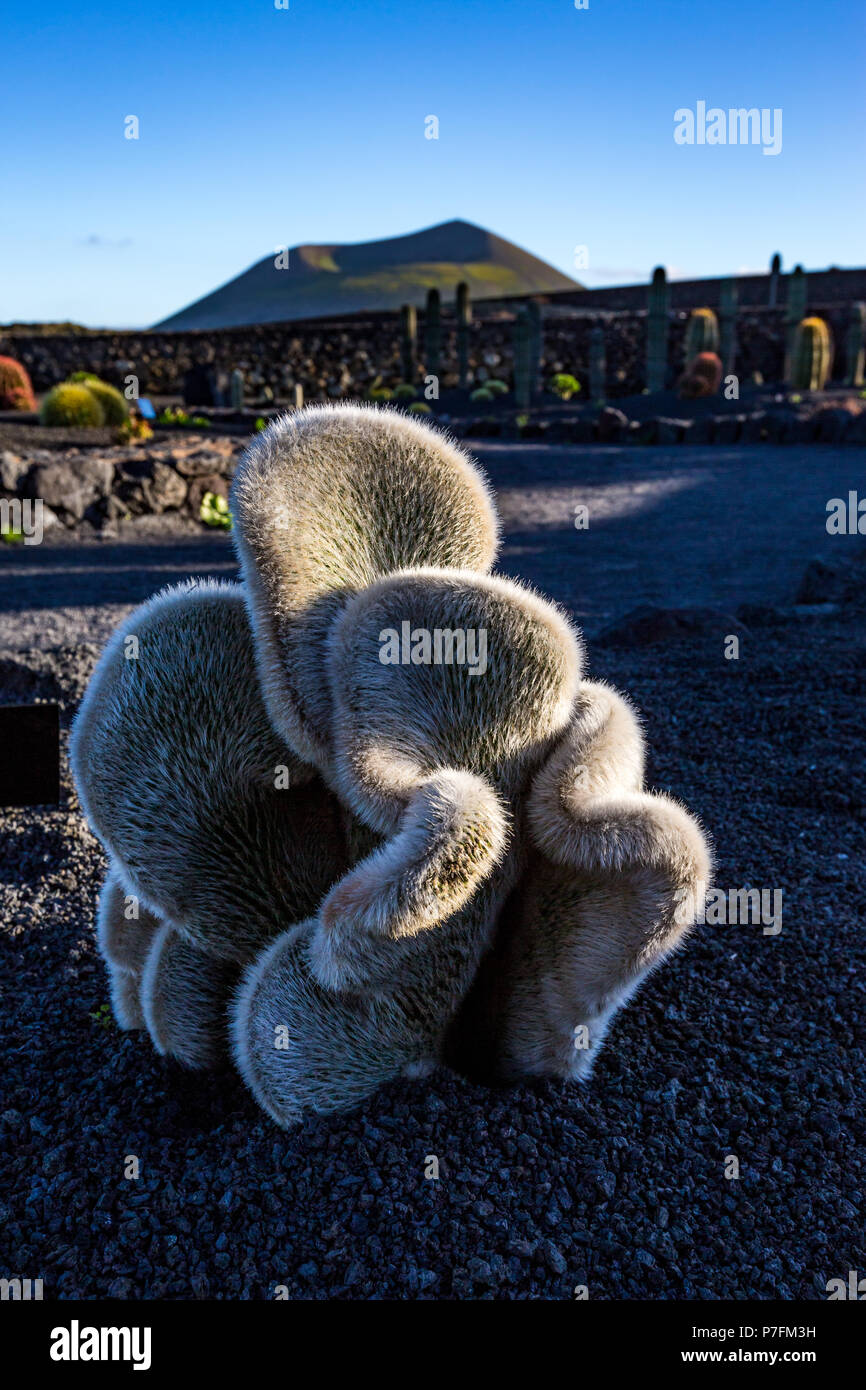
{"points": [[331, 359]]}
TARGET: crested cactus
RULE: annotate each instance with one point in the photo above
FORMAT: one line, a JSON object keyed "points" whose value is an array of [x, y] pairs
{"points": [[811, 355], [657, 331], [597, 363], [433, 333], [728, 325], [464, 318], [408, 340], [702, 333], [236, 389], [522, 359], [285, 880], [16, 392], [855, 346], [775, 271]]}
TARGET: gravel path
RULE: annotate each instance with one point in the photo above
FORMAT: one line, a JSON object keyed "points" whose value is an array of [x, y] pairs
{"points": [[748, 1044]]}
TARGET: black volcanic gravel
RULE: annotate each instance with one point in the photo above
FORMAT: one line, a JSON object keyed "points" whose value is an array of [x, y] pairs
{"points": [[746, 1045]]}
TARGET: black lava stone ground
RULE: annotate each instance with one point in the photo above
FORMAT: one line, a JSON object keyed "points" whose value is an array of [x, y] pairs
{"points": [[747, 1045]]}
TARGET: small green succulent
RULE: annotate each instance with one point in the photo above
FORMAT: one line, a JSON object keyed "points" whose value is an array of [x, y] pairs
{"points": [[564, 385], [214, 511]]}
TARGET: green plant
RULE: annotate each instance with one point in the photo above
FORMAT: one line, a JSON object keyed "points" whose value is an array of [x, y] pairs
{"points": [[134, 428], [481, 393], [10, 534], [114, 407], [214, 511], [499, 388], [380, 393], [564, 386], [261, 424], [796, 398], [173, 417], [102, 1017], [72, 405], [811, 355], [200, 422], [702, 334], [521, 421], [405, 392], [16, 391], [420, 408]]}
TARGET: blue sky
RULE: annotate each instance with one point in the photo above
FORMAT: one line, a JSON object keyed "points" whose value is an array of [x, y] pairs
{"points": [[262, 128]]}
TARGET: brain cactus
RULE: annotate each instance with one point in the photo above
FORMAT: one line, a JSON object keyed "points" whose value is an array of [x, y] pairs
{"points": [[702, 334], [16, 392], [812, 355], [72, 404], [702, 377]]}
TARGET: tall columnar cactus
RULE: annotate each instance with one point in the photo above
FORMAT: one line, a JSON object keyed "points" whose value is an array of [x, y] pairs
{"points": [[811, 355], [523, 359], [855, 346], [657, 331], [795, 312], [798, 295], [236, 389], [408, 340], [536, 344], [702, 333], [775, 271], [597, 363], [728, 325], [432, 333], [464, 318]]}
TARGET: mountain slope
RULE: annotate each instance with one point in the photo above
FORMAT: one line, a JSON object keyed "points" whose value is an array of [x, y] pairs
{"points": [[369, 275]]}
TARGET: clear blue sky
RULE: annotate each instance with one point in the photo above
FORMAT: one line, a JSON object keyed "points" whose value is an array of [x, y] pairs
{"points": [[262, 127]]}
